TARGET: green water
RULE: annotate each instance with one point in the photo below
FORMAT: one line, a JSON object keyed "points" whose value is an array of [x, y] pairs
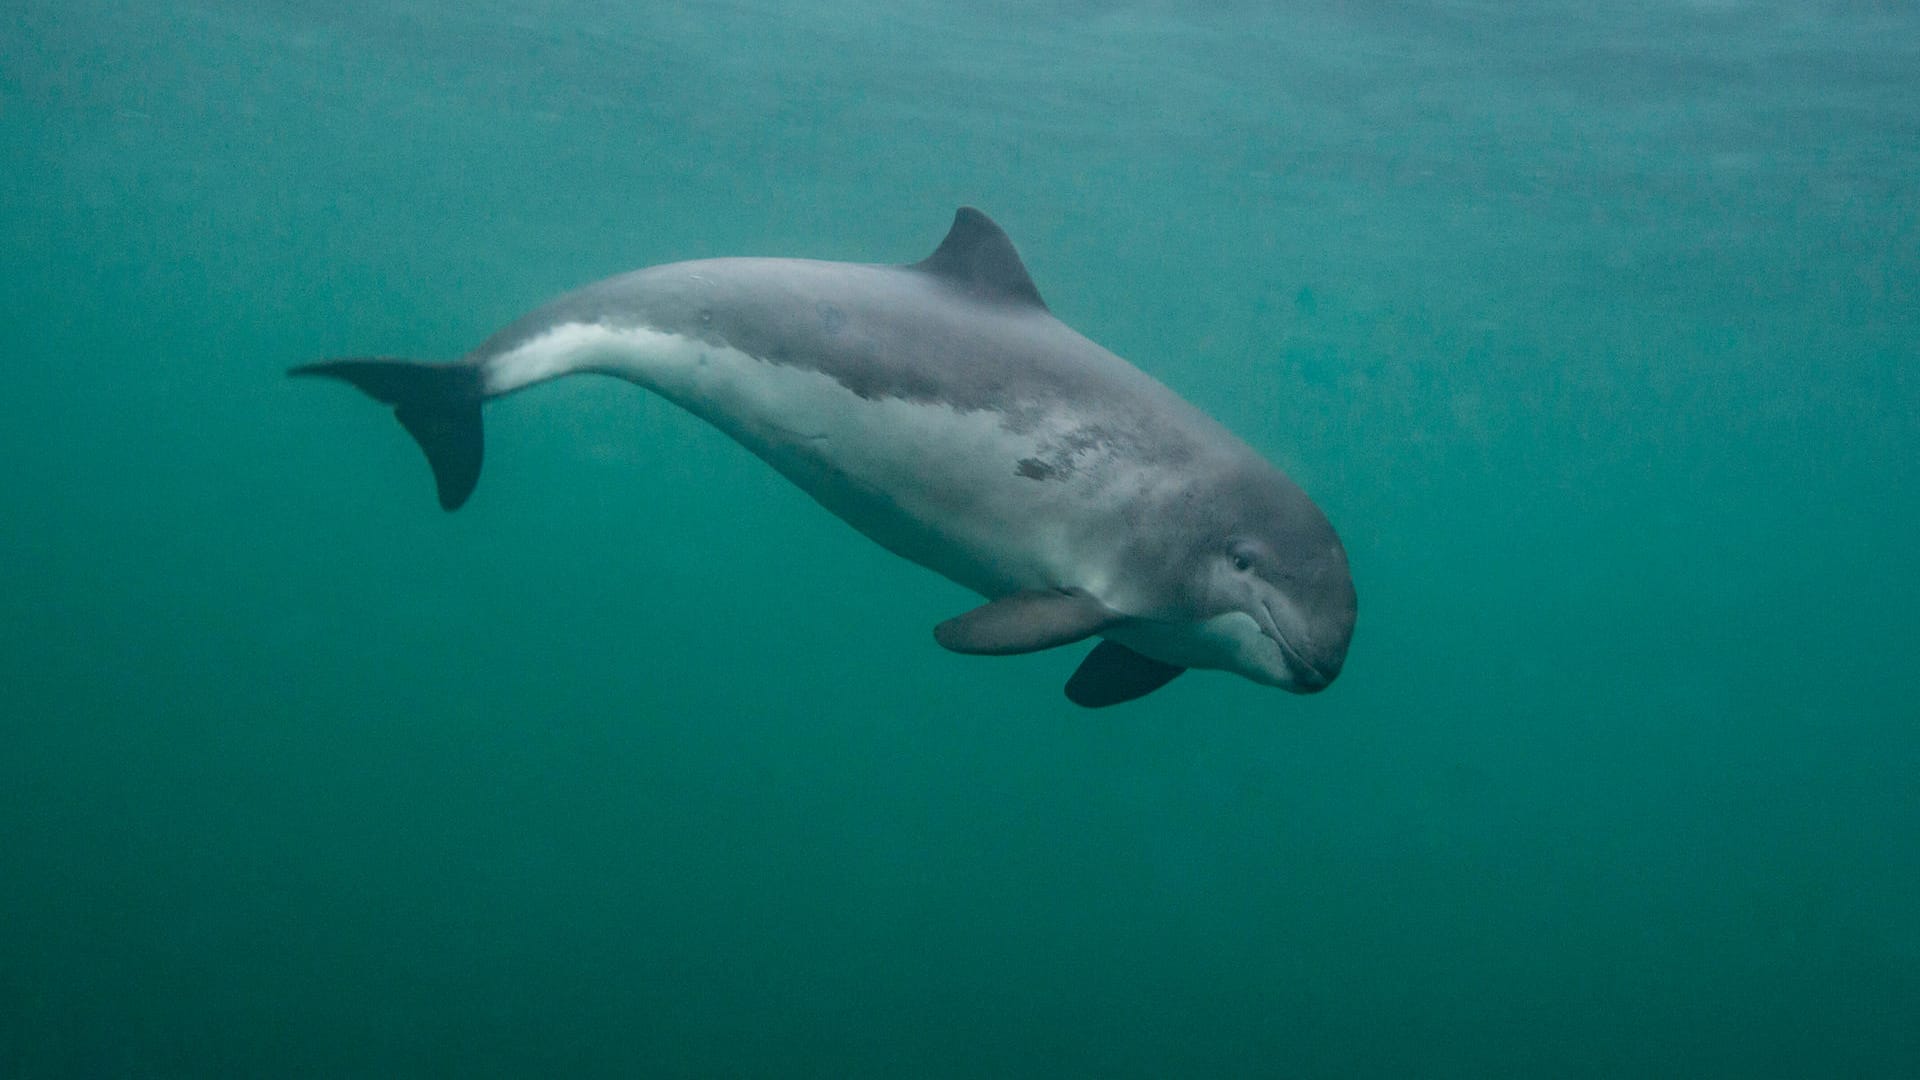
{"points": [[1593, 331]]}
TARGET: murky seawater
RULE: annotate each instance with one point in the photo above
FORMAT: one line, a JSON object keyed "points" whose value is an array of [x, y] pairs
{"points": [[1594, 332]]}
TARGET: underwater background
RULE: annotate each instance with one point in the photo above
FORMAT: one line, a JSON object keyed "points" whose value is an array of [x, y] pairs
{"points": [[1592, 326]]}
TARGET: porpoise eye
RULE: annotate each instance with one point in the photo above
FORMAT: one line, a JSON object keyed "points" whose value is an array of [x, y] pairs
{"points": [[1245, 556]]}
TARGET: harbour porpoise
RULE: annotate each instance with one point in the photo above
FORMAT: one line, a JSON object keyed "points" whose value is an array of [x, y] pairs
{"points": [[943, 411]]}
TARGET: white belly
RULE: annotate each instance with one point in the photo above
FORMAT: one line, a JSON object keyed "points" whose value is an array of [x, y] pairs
{"points": [[934, 484]]}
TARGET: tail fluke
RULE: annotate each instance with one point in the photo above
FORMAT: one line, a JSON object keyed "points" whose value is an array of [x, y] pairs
{"points": [[438, 404]]}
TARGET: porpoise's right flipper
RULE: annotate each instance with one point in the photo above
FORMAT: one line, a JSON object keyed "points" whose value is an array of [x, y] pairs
{"points": [[438, 404], [1113, 673], [1027, 622]]}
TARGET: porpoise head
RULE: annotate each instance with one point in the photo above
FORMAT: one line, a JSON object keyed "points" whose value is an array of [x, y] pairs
{"points": [[1258, 582]]}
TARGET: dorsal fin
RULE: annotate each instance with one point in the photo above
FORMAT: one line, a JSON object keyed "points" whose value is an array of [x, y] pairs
{"points": [[978, 257]]}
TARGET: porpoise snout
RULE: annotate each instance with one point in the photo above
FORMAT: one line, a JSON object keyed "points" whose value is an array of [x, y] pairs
{"points": [[1325, 650], [1317, 656]]}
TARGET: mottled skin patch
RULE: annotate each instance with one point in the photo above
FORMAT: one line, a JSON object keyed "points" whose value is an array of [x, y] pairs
{"points": [[831, 318], [1059, 457]]}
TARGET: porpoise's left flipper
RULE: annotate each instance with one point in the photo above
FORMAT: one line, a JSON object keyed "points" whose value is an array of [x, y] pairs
{"points": [[438, 404], [1113, 673], [1027, 622]]}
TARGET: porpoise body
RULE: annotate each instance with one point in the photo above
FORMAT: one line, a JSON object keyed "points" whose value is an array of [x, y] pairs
{"points": [[943, 411]]}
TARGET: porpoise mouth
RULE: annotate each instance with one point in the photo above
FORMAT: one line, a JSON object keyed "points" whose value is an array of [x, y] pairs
{"points": [[1314, 679]]}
